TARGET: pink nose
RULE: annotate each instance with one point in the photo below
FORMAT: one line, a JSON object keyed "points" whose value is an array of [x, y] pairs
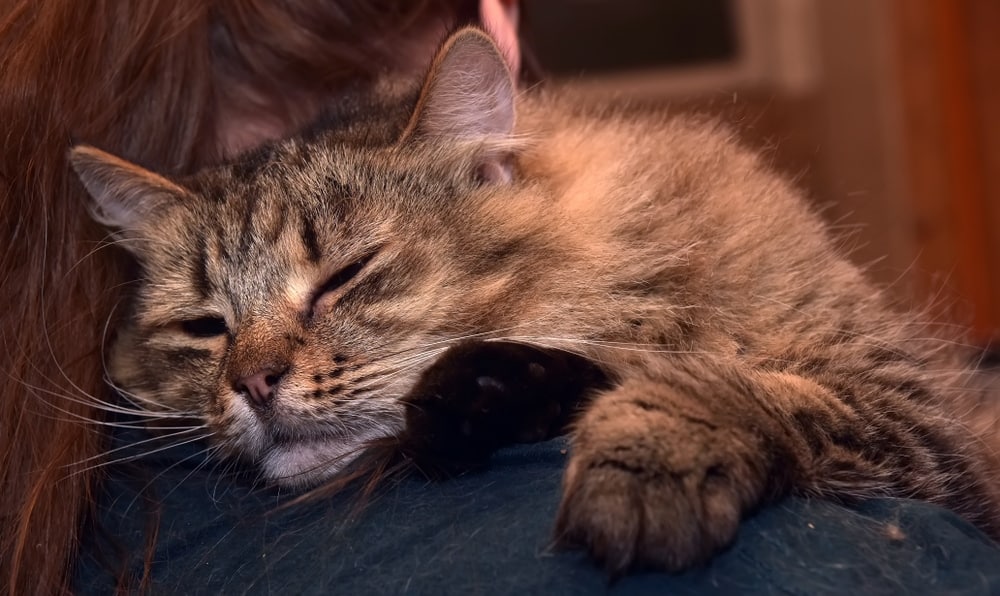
{"points": [[259, 387]]}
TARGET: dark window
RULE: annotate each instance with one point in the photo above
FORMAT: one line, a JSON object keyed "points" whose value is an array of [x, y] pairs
{"points": [[572, 37]]}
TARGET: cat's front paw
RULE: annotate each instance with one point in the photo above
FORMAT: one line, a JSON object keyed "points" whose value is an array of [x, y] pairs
{"points": [[483, 395], [656, 490]]}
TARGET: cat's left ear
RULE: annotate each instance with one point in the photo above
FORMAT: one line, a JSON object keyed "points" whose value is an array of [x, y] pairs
{"points": [[468, 95], [126, 197]]}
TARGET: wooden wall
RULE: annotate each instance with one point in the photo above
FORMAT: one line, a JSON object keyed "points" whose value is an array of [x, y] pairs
{"points": [[948, 66]]}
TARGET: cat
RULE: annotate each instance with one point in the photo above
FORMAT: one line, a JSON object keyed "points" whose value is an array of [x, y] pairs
{"points": [[293, 300]]}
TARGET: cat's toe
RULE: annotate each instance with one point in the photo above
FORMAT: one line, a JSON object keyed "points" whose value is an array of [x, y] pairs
{"points": [[628, 517], [601, 519]]}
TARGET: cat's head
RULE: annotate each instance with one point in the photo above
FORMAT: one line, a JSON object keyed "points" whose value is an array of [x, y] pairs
{"points": [[290, 299]]}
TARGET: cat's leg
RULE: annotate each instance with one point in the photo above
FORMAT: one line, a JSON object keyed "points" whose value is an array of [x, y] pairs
{"points": [[665, 465], [662, 471]]}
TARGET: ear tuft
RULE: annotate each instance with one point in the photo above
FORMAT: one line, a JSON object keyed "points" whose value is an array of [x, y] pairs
{"points": [[468, 93], [124, 194]]}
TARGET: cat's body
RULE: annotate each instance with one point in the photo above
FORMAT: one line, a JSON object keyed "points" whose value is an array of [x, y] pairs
{"points": [[293, 299]]}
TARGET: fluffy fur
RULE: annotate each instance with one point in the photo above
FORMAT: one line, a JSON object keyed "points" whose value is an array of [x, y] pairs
{"points": [[292, 300]]}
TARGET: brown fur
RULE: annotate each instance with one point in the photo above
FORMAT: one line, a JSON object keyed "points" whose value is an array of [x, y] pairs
{"points": [[292, 299], [159, 83]]}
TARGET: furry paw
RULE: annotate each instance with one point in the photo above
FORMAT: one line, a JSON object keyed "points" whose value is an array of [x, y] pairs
{"points": [[655, 489], [480, 396]]}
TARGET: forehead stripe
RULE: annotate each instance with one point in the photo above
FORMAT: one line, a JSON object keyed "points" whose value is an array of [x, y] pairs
{"points": [[309, 239], [199, 271]]}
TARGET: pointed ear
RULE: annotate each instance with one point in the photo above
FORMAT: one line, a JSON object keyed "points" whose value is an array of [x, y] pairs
{"points": [[124, 194], [468, 93]]}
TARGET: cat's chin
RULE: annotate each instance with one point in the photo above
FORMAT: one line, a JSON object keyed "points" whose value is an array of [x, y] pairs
{"points": [[304, 464]]}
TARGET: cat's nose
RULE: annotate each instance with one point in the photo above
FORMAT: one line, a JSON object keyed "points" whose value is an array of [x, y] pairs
{"points": [[259, 387]]}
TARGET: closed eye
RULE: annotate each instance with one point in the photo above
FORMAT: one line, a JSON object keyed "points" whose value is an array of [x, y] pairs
{"points": [[204, 327], [340, 278]]}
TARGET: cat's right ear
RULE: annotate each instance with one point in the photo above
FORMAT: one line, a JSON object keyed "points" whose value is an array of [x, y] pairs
{"points": [[125, 196], [469, 95]]}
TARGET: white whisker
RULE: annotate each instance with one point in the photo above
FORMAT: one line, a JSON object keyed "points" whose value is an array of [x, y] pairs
{"points": [[141, 455], [141, 442]]}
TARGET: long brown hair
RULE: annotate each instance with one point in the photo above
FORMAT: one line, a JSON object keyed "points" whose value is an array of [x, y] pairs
{"points": [[167, 83]]}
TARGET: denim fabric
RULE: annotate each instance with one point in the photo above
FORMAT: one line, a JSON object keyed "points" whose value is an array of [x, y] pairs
{"points": [[489, 533]]}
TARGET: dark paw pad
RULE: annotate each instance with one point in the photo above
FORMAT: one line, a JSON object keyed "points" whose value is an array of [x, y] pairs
{"points": [[480, 396]]}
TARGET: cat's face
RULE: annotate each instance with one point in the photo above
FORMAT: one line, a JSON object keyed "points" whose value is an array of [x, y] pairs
{"points": [[294, 316], [289, 301]]}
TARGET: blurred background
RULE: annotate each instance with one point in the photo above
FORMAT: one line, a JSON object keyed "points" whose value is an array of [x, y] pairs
{"points": [[886, 112]]}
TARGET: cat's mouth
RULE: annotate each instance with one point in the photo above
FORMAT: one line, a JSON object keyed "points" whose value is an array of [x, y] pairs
{"points": [[285, 437], [299, 448]]}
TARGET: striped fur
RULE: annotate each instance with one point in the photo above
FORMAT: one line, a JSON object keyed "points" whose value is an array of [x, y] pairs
{"points": [[750, 359]]}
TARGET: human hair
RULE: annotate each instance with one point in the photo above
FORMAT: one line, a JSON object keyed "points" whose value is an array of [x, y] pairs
{"points": [[171, 84]]}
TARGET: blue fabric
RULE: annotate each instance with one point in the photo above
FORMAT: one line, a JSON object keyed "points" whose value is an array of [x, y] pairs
{"points": [[488, 533]]}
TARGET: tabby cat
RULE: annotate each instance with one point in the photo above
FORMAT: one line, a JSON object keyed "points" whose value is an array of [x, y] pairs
{"points": [[292, 300]]}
